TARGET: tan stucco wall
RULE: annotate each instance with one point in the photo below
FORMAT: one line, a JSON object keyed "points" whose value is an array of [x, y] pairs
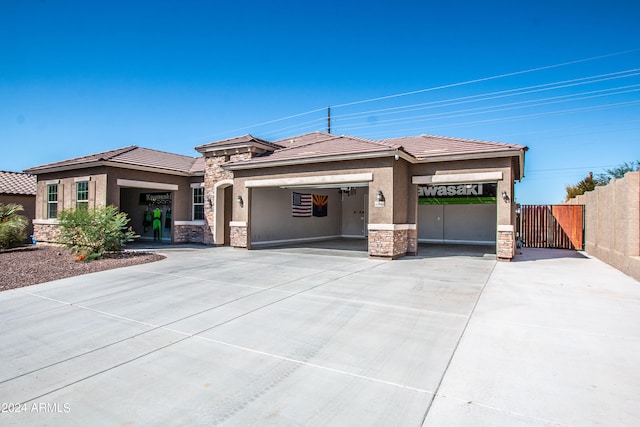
{"points": [[612, 223], [104, 190], [382, 179], [391, 177], [66, 189]]}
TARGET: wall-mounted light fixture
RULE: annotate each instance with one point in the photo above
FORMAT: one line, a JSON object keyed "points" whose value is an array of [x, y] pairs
{"points": [[209, 200], [379, 196], [239, 200], [505, 197]]}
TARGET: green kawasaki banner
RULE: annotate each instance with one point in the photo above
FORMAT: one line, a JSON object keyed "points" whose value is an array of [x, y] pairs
{"points": [[457, 194]]}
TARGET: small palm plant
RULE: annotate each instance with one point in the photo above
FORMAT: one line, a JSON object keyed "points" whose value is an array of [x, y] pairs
{"points": [[12, 225]]}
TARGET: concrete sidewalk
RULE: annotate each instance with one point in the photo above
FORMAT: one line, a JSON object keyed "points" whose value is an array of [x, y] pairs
{"points": [[216, 336]]}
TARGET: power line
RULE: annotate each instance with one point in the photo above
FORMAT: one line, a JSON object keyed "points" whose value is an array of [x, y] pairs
{"points": [[525, 116], [520, 104], [492, 95], [484, 79], [322, 109], [418, 119]]}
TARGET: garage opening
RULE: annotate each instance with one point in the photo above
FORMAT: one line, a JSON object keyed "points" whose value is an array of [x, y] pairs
{"points": [[326, 216], [150, 212], [464, 214]]}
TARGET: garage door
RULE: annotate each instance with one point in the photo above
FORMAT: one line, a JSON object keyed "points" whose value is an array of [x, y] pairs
{"points": [[461, 213]]}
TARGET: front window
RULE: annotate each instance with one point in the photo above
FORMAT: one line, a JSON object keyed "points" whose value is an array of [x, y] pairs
{"points": [[82, 195], [198, 203], [52, 201]]}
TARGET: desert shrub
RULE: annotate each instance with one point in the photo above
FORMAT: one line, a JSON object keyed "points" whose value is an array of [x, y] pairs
{"points": [[12, 226], [93, 232]]}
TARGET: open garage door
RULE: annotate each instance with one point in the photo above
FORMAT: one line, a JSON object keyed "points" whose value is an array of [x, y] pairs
{"points": [[290, 216], [293, 210], [457, 214]]}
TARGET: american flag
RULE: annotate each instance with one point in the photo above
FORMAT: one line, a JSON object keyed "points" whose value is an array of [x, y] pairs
{"points": [[301, 205]]}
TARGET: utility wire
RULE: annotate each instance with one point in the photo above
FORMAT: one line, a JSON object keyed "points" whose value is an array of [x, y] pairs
{"points": [[468, 82], [489, 96], [494, 109], [484, 79], [525, 116], [478, 98]]}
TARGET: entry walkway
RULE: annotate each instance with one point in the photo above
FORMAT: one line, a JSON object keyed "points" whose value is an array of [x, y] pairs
{"points": [[217, 336]]}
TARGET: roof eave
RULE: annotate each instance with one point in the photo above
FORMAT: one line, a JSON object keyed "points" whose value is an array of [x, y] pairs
{"points": [[236, 147], [311, 160], [39, 170]]}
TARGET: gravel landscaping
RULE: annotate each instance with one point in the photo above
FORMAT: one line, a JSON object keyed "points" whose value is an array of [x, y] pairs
{"points": [[30, 265]]}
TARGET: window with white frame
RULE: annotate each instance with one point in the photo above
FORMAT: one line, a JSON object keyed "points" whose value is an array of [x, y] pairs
{"points": [[198, 203], [82, 195], [52, 201]]}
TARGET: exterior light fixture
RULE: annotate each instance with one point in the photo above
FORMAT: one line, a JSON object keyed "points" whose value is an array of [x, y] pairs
{"points": [[239, 200], [505, 197], [379, 196], [209, 200]]}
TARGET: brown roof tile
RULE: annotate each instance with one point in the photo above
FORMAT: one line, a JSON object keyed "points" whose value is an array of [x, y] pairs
{"points": [[17, 183], [426, 146], [132, 156], [243, 139], [319, 145]]}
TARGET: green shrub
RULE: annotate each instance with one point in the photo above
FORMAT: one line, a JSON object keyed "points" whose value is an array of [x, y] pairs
{"points": [[12, 226], [92, 232]]}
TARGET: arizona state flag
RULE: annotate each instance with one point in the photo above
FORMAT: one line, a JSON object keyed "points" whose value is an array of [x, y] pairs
{"points": [[320, 203]]}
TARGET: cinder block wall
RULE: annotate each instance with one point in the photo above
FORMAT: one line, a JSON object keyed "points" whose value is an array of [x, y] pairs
{"points": [[612, 223]]}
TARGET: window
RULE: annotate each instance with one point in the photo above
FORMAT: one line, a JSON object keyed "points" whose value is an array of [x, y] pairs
{"points": [[82, 195], [198, 203], [52, 201]]}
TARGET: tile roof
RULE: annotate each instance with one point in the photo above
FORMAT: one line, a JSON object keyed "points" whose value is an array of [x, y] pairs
{"points": [[238, 140], [318, 145], [17, 183], [131, 156], [426, 146]]}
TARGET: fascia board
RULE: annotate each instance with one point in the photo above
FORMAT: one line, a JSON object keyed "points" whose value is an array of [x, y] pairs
{"points": [[312, 160]]}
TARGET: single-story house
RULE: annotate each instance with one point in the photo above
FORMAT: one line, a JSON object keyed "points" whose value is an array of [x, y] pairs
{"points": [[246, 192], [19, 188]]}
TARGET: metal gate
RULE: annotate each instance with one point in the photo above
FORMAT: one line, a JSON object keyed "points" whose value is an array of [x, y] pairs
{"points": [[552, 226]]}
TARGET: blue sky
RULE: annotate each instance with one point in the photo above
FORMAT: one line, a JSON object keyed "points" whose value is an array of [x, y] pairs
{"points": [[80, 77]]}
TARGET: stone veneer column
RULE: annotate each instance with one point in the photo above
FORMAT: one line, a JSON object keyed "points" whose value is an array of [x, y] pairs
{"points": [[506, 242], [214, 173], [239, 234], [392, 240]]}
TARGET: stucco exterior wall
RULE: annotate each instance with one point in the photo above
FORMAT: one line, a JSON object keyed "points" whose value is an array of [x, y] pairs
{"points": [[104, 190], [612, 223]]}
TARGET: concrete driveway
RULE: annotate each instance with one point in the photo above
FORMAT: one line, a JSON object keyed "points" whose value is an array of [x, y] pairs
{"points": [[278, 337]]}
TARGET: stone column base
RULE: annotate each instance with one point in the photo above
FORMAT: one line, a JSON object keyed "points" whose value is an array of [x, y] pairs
{"points": [[505, 249], [392, 240], [239, 235]]}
